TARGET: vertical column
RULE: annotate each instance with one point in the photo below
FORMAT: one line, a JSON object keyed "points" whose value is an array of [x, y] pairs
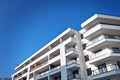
{"points": [[28, 73], [49, 77], [12, 77], [34, 75], [63, 63], [61, 40], [81, 57]]}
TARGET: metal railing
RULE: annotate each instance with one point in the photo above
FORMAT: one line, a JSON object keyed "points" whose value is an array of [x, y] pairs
{"points": [[74, 77], [99, 38], [109, 68]]}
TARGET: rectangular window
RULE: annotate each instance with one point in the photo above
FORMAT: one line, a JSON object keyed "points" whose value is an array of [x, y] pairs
{"points": [[118, 64], [89, 71], [84, 46], [81, 36], [86, 58]]}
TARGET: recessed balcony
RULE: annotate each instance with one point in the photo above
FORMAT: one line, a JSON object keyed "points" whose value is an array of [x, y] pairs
{"points": [[56, 76], [39, 76], [39, 65], [104, 55], [72, 64], [50, 69], [74, 77], [73, 74], [98, 18], [100, 29], [103, 40], [71, 52], [110, 70]]}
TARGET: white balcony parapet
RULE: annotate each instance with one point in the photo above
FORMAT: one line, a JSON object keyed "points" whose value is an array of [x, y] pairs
{"points": [[39, 75], [101, 37], [40, 65], [104, 52], [47, 72], [98, 54], [54, 69], [74, 77], [73, 62], [70, 49], [95, 40]]}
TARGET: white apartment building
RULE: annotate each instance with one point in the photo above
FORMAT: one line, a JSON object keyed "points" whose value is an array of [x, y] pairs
{"points": [[93, 53], [60, 59], [101, 44]]}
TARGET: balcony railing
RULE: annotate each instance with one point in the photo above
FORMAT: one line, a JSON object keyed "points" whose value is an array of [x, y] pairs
{"points": [[70, 49], [95, 40], [100, 53], [105, 70], [40, 65], [40, 75], [104, 52], [47, 72], [55, 69], [72, 62], [74, 77]]}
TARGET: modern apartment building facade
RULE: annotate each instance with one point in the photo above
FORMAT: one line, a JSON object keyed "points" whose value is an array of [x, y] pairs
{"points": [[58, 60], [92, 53], [101, 43]]}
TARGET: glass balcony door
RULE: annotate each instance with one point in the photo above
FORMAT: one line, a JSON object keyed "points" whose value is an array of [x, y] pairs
{"points": [[102, 68]]}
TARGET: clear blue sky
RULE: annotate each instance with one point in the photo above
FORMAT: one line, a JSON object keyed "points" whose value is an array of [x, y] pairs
{"points": [[27, 25]]}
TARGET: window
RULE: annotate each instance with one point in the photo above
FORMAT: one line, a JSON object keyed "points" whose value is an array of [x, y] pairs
{"points": [[118, 64], [86, 58], [81, 36], [89, 71], [84, 46]]}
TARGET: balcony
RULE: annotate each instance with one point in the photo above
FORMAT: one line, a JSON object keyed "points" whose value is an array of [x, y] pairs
{"points": [[39, 65], [104, 55], [101, 28], [70, 52], [74, 77], [41, 75], [55, 69], [47, 72], [110, 70], [102, 40], [70, 49], [73, 64], [98, 18]]}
